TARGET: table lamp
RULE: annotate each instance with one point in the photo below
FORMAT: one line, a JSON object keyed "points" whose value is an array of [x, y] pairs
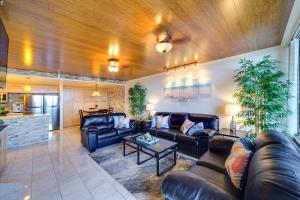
{"points": [[150, 108], [232, 110]]}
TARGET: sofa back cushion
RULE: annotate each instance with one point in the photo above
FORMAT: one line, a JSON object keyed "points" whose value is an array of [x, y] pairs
{"points": [[163, 121], [274, 170], [209, 121], [99, 121], [177, 119], [110, 118], [272, 137]]}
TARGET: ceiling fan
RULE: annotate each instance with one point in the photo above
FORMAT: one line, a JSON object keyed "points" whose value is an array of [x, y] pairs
{"points": [[113, 65], [166, 37]]}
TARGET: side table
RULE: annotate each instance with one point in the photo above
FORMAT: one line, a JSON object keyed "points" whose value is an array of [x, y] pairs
{"points": [[226, 132]]}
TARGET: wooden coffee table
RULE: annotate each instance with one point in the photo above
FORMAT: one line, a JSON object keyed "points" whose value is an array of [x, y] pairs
{"points": [[157, 151]]}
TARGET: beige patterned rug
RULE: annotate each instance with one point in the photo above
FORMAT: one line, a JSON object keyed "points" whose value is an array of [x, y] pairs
{"points": [[140, 180]]}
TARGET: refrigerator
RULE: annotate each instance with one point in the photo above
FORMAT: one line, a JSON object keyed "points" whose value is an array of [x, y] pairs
{"points": [[44, 104]]}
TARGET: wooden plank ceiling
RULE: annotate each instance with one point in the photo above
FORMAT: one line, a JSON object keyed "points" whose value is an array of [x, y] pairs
{"points": [[77, 37]]}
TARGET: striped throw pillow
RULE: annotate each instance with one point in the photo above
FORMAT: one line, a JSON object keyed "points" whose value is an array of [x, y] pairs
{"points": [[187, 124]]}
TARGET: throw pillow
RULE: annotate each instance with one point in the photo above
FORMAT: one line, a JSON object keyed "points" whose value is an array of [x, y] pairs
{"points": [[162, 122], [196, 128], [126, 122], [118, 121], [187, 124], [238, 161], [154, 120]]}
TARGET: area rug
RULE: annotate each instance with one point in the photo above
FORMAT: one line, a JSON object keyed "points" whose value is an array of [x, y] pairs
{"points": [[140, 180]]}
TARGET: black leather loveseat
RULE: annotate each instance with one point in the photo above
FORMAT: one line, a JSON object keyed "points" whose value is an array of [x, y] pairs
{"points": [[98, 130], [192, 145], [273, 173]]}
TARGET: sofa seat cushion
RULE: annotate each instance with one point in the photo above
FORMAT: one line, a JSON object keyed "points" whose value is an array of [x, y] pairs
{"points": [[104, 130], [152, 131], [169, 134], [122, 131], [216, 178], [272, 137], [185, 138], [214, 161], [107, 135]]}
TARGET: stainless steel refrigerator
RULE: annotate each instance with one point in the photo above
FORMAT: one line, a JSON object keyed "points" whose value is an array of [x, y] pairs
{"points": [[44, 104]]}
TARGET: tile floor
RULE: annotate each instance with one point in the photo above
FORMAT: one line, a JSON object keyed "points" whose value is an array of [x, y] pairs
{"points": [[61, 170]]}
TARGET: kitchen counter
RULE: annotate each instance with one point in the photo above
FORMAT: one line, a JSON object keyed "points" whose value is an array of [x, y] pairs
{"points": [[19, 115], [25, 130], [3, 146]]}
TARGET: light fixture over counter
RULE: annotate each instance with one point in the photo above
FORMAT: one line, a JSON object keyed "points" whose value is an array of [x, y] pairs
{"points": [[113, 65], [96, 93], [27, 86]]}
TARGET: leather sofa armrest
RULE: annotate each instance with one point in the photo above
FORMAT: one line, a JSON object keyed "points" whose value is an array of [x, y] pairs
{"points": [[89, 138], [188, 186], [205, 133], [221, 145], [133, 125], [147, 123], [90, 130], [209, 132]]}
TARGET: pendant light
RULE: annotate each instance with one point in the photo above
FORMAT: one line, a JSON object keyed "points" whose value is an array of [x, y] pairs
{"points": [[96, 93]]}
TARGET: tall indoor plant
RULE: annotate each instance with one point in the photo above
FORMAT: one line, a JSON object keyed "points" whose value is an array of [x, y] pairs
{"points": [[137, 96], [263, 93]]}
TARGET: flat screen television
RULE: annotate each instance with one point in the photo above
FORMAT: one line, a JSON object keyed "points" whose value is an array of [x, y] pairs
{"points": [[3, 55]]}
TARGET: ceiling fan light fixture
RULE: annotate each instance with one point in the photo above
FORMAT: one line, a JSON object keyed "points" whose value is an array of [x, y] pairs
{"points": [[113, 69], [113, 65], [164, 46]]}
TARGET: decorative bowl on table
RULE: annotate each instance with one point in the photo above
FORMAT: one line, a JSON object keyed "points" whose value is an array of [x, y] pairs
{"points": [[147, 139]]}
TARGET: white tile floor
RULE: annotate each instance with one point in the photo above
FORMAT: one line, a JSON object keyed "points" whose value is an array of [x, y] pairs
{"points": [[61, 170]]}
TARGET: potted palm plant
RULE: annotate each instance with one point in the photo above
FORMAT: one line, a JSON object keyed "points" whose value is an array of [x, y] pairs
{"points": [[262, 92], [137, 96]]}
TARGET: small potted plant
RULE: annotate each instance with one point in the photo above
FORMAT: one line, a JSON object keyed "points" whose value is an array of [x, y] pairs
{"points": [[2, 110]]}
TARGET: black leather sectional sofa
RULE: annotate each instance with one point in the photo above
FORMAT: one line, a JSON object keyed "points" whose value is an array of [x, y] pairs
{"points": [[98, 130], [273, 173], [192, 145]]}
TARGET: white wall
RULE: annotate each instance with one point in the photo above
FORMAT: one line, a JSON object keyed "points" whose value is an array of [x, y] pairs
{"points": [[219, 72]]}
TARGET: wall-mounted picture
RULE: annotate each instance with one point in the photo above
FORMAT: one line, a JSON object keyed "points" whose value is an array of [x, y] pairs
{"points": [[185, 89]]}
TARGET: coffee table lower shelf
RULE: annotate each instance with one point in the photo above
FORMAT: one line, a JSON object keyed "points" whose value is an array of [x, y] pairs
{"points": [[152, 155]]}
